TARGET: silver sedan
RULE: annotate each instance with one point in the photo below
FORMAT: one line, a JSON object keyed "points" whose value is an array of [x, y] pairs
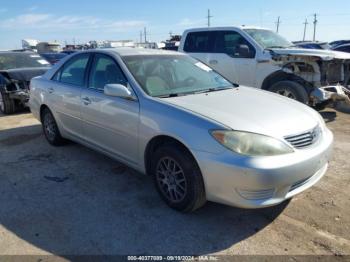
{"points": [[172, 117]]}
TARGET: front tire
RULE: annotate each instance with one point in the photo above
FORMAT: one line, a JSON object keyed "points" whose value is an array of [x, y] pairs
{"points": [[178, 179], [7, 105], [291, 90], [50, 128]]}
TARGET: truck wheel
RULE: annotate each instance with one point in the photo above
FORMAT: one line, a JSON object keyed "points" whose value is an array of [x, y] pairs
{"points": [[7, 105], [291, 90], [178, 178], [50, 128]]}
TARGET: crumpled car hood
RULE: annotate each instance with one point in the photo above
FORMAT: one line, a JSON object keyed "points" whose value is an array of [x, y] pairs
{"points": [[252, 110], [323, 54], [24, 74]]}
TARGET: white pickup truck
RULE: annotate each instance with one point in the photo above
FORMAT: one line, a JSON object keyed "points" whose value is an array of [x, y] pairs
{"points": [[263, 59]]}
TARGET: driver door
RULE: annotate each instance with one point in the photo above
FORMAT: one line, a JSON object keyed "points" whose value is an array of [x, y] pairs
{"points": [[234, 58]]}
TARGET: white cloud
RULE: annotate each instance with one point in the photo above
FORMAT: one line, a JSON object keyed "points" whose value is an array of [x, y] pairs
{"points": [[32, 8], [191, 22], [58, 23]]}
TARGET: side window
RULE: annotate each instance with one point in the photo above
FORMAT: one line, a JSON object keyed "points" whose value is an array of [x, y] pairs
{"points": [[105, 71], [57, 75], [233, 44], [198, 42], [73, 71], [344, 49]]}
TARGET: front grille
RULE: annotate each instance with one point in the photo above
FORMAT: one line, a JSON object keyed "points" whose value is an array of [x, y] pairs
{"points": [[305, 139]]}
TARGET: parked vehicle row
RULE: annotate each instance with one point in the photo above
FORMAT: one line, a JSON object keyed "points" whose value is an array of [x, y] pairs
{"points": [[198, 134]]}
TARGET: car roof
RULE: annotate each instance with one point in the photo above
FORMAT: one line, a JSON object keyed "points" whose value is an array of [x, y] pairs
{"points": [[17, 52], [130, 51], [225, 28]]}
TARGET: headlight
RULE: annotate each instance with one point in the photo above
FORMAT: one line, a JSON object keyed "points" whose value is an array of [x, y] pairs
{"points": [[251, 144]]}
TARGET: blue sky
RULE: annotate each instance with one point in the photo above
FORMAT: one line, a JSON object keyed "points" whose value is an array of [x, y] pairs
{"points": [[65, 20]]}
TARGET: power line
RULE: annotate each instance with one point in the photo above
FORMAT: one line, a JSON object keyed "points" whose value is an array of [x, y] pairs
{"points": [[305, 25]]}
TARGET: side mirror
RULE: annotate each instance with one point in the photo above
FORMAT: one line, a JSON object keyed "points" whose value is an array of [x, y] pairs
{"points": [[244, 51], [118, 90]]}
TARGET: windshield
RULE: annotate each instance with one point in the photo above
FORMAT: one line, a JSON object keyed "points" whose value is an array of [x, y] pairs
{"points": [[21, 60], [172, 75], [268, 39]]}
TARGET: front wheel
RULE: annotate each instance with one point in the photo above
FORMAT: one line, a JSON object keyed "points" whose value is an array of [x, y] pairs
{"points": [[7, 105], [178, 179], [291, 90]]}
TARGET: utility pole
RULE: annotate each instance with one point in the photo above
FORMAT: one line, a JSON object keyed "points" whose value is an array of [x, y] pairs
{"points": [[141, 36], [315, 24], [209, 17], [278, 24], [145, 34], [305, 25]]}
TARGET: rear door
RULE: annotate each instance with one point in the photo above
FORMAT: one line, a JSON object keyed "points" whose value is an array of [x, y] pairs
{"points": [[109, 123], [229, 60], [64, 93]]}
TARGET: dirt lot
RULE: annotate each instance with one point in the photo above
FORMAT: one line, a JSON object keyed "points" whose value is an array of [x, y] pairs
{"points": [[71, 200]]}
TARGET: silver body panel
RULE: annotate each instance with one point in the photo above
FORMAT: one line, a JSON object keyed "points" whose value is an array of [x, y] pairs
{"points": [[123, 128]]}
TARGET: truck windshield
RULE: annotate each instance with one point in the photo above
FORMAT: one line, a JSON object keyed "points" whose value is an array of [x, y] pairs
{"points": [[174, 75], [268, 39], [12, 60]]}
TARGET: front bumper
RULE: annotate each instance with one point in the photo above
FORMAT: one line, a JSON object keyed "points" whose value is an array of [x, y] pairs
{"points": [[329, 94], [256, 182]]}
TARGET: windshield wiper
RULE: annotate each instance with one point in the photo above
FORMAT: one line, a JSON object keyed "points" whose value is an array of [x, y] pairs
{"points": [[211, 90], [196, 92], [275, 46], [168, 95]]}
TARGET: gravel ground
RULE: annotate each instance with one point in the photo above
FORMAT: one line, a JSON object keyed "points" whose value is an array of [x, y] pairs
{"points": [[73, 201]]}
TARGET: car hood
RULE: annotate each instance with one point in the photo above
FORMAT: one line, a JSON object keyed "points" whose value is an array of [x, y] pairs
{"points": [[323, 54], [252, 110], [24, 74]]}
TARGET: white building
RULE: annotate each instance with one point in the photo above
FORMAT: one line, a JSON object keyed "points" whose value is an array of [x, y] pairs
{"points": [[118, 43], [29, 44]]}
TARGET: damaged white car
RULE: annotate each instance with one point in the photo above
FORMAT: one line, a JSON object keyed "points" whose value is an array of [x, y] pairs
{"points": [[263, 59]]}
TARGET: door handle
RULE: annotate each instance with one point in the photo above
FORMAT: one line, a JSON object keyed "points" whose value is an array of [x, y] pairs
{"points": [[50, 90], [213, 62], [86, 100]]}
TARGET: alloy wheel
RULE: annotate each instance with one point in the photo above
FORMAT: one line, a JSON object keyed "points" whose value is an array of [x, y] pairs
{"points": [[286, 93], [50, 127], [171, 179]]}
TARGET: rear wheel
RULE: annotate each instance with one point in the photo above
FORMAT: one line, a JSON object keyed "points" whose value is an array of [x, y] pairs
{"points": [[178, 179], [291, 90], [7, 105], [50, 128]]}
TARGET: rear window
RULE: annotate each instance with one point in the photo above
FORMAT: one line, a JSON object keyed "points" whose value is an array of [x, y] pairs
{"points": [[198, 42], [21, 60]]}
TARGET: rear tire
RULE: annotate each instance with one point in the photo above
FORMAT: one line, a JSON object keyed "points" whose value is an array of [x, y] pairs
{"points": [[50, 128], [7, 105], [178, 178], [291, 90]]}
